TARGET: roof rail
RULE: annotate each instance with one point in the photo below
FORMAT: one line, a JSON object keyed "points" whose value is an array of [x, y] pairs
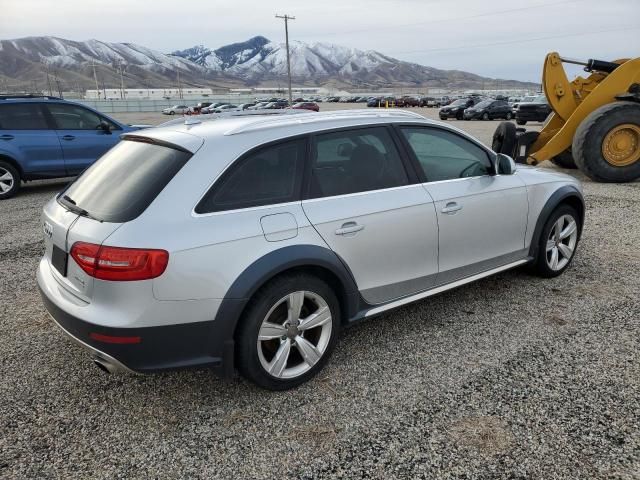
{"points": [[324, 117], [8, 96], [208, 117]]}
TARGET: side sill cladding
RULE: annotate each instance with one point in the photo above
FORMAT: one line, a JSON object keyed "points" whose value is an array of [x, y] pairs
{"points": [[567, 192]]}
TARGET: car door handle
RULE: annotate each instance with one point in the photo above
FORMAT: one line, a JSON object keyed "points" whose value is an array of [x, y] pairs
{"points": [[451, 208], [68, 137], [348, 228], [7, 137]]}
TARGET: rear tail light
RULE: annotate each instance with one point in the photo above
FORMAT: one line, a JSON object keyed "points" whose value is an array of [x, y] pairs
{"points": [[119, 264]]}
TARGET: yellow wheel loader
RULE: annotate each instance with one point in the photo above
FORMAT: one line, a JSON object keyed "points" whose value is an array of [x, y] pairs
{"points": [[594, 124]]}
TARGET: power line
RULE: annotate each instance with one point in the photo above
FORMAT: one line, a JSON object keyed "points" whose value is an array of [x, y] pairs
{"points": [[440, 20], [524, 40]]}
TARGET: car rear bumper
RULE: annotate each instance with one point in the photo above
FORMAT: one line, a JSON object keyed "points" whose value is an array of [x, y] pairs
{"points": [[142, 349], [168, 347]]}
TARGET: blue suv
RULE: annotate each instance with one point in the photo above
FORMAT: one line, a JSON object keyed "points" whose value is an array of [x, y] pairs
{"points": [[48, 137]]}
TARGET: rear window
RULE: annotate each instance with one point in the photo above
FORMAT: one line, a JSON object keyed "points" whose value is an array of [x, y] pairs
{"points": [[22, 116], [125, 180]]}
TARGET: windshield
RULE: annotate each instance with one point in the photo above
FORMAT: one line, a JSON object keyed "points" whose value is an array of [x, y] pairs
{"points": [[484, 103], [462, 101], [527, 99], [540, 99], [125, 180]]}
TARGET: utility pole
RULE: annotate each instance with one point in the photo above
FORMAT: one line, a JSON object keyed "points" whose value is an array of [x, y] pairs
{"points": [[179, 85], [286, 19], [121, 68], [95, 77]]}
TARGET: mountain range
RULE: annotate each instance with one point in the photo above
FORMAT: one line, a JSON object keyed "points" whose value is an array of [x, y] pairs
{"points": [[257, 61]]}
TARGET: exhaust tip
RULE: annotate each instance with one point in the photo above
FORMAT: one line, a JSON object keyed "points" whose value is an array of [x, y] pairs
{"points": [[104, 365]]}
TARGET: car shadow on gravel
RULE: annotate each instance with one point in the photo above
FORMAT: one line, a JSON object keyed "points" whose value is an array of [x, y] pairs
{"points": [[40, 187]]}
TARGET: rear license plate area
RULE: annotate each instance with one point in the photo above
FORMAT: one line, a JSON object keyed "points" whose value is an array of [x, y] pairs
{"points": [[59, 260]]}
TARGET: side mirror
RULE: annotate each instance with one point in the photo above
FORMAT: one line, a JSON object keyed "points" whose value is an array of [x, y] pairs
{"points": [[504, 164], [105, 127]]}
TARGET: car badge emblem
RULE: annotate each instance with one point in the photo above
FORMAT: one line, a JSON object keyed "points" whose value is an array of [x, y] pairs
{"points": [[48, 229]]}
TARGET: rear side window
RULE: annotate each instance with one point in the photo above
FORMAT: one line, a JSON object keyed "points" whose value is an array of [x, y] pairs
{"points": [[444, 155], [126, 179], [266, 176], [72, 117], [22, 116], [355, 161]]}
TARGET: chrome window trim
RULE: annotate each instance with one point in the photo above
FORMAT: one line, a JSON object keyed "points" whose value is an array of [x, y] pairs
{"points": [[194, 214], [355, 194]]}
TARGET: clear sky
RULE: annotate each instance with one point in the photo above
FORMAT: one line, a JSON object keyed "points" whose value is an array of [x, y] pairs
{"points": [[497, 38]]}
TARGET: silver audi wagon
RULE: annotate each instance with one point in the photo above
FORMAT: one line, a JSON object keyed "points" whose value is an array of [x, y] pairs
{"points": [[246, 243]]}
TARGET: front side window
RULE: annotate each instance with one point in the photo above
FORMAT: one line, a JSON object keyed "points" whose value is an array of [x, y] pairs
{"points": [[73, 117], [22, 116], [355, 161], [444, 155], [266, 176]]}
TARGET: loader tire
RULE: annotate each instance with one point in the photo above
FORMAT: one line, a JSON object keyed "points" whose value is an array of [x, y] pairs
{"points": [[565, 160], [505, 139], [606, 145]]}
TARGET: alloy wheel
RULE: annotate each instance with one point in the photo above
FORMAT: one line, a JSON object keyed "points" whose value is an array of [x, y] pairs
{"points": [[6, 180], [561, 242], [294, 334]]}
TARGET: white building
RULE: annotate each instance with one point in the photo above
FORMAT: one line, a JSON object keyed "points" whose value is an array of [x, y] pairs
{"points": [[148, 93]]}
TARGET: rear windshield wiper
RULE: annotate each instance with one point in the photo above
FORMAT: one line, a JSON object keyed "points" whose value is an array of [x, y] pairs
{"points": [[73, 207]]}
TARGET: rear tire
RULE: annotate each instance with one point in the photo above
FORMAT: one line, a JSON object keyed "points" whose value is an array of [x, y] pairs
{"points": [[9, 180], [593, 139], [558, 242], [565, 160], [485, 116], [508, 116], [258, 358], [505, 139]]}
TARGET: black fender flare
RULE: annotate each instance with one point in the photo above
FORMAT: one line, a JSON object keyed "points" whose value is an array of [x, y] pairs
{"points": [[567, 192], [264, 269]]}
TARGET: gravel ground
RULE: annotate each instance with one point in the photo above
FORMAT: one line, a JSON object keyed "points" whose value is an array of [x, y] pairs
{"points": [[510, 377]]}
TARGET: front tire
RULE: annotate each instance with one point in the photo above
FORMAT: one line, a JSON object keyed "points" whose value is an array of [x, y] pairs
{"points": [[606, 145], [9, 180], [485, 116], [288, 332], [558, 242], [508, 116], [172, 112], [521, 122]]}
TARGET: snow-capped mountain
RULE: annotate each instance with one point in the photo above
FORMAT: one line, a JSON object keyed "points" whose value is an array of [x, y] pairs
{"points": [[258, 60]]}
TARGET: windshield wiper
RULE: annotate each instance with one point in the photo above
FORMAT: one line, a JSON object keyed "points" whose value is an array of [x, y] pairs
{"points": [[70, 203]]}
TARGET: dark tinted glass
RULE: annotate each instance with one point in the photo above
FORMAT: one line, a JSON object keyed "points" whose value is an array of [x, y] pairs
{"points": [[355, 161], [266, 176], [443, 155], [73, 117], [22, 116], [125, 180]]}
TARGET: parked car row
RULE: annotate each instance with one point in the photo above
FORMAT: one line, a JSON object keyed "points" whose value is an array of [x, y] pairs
{"points": [[475, 107]]}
